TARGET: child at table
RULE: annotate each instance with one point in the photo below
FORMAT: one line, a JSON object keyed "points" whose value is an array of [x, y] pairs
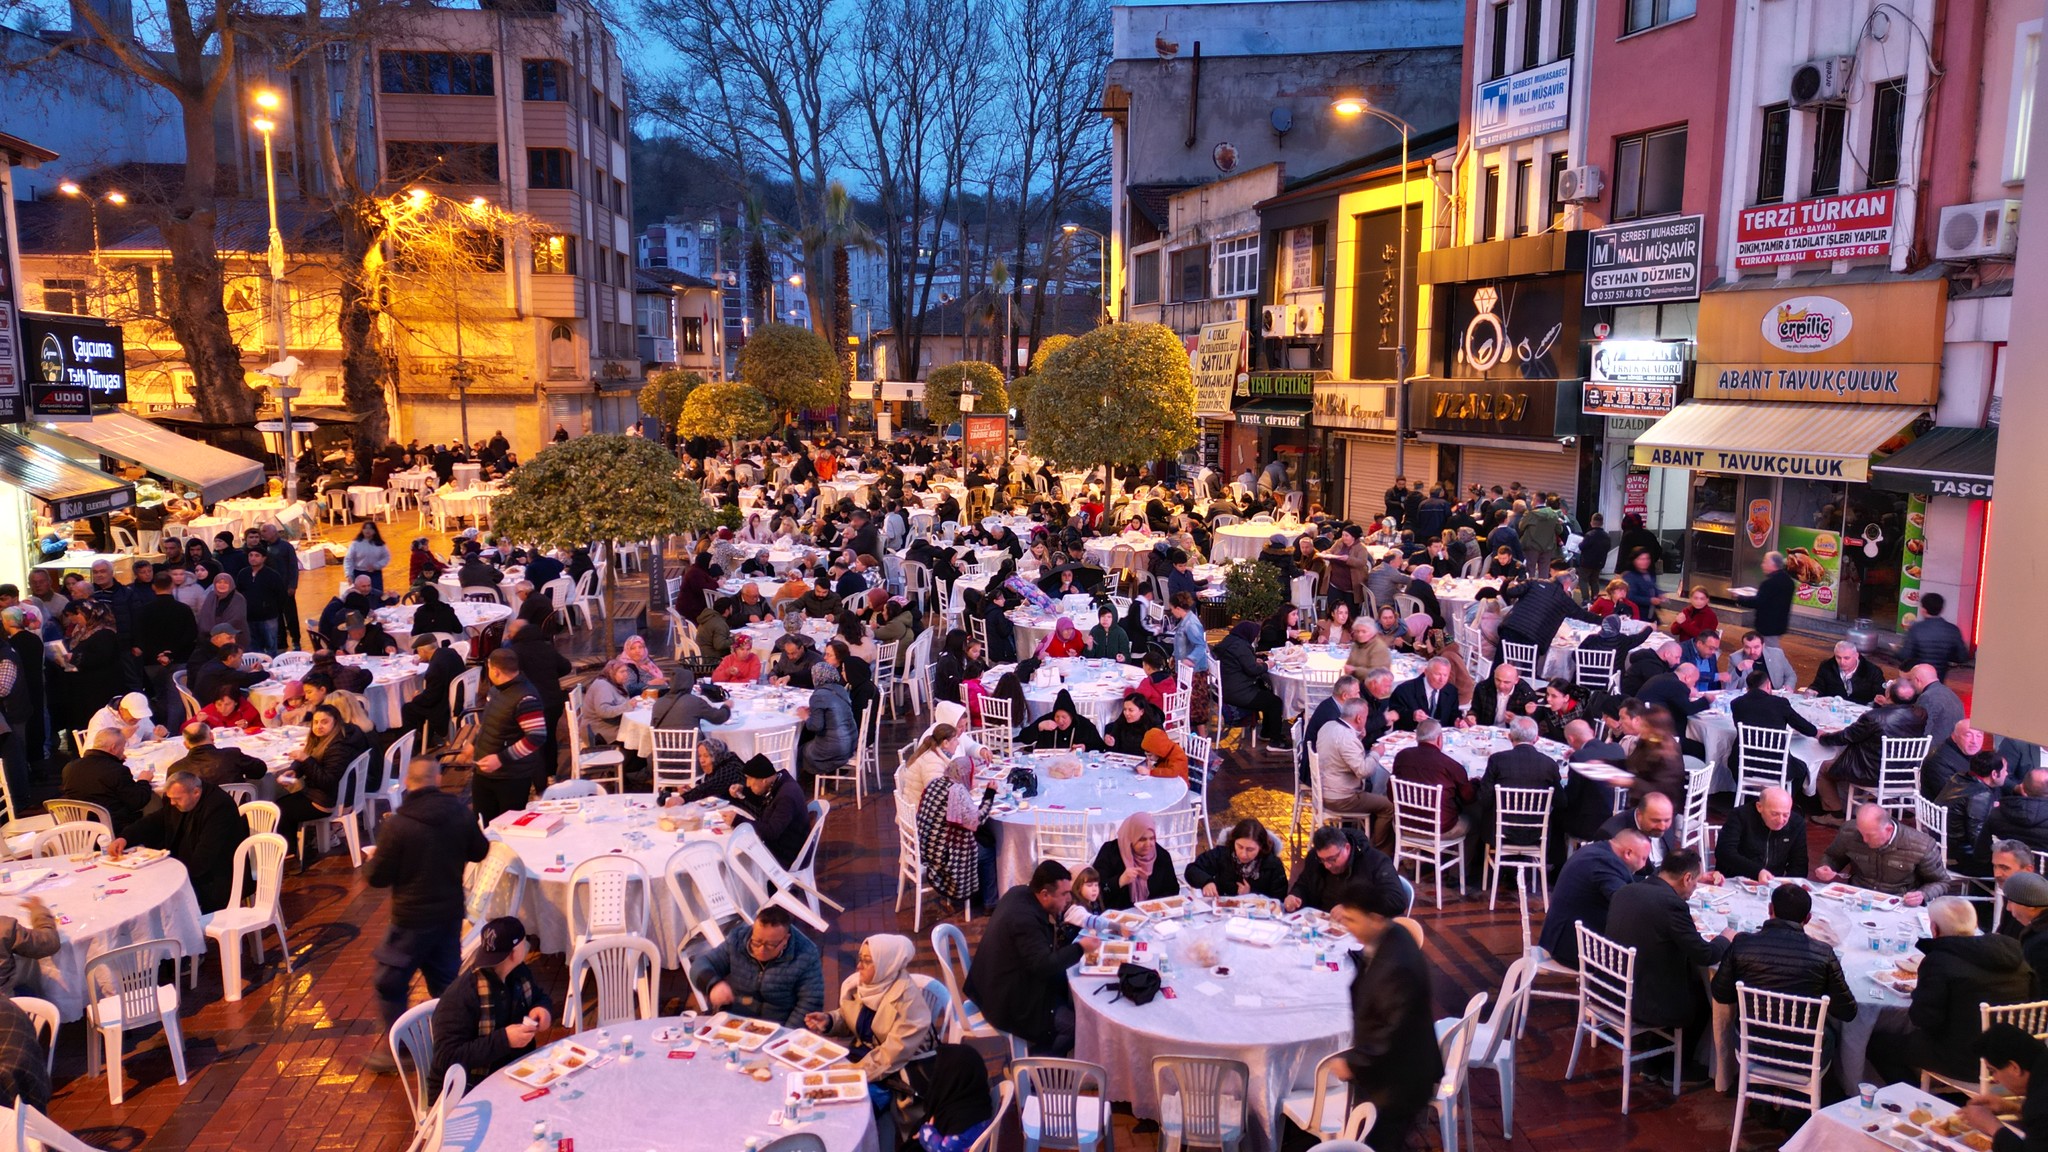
{"points": [[1085, 913]]}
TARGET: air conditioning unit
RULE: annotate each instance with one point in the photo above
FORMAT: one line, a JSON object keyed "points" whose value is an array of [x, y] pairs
{"points": [[1987, 228], [1579, 185], [1308, 321], [1279, 320], [1822, 81]]}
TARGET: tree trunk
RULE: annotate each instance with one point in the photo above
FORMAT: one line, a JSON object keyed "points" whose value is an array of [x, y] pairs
{"points": [[842, 330], [362, 361], [199, 315]]}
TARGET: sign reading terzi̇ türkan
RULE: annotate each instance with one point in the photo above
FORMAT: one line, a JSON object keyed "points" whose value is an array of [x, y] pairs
{"points": [[1877, 343], [1849, 227]]}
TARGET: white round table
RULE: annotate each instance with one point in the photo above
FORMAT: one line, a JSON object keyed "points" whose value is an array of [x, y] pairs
{"points": [[450, 582], [473, 502], [152, 761], [1098, 687], [1032, 628], [1287, 669], [393, 681], [625, 1104], [755, 714], [1558, 663], [781, 557], [1243, 541], [397, 619], [252, 511], [1454, 594], [1715, 730], [1097, 552], [1104, 794], [466, 475], [366, 500], [1274, 1011], [1468, 746], [100, 906]]}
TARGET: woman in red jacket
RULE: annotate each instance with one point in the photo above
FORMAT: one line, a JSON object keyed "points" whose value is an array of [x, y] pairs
{"points": [[1697, 618]]}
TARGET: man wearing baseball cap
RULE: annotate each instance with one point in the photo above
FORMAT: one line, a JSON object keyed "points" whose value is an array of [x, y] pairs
{"points": [[130, 714], [494, 1010], [2026, 897]]}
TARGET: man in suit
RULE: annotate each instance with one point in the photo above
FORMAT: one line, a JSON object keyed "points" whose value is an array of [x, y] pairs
{"points": [[1760, 707], [1019, 974], [428, 711], [1764, 839], [1540, 607], [1756, 654], [1848, 676], [1504, 696], [1393, 1061], [1429, 696], [1703, 652], [1425, 763], [1652, 917], [1520, 765], [1585, 889], [1656, 820]]}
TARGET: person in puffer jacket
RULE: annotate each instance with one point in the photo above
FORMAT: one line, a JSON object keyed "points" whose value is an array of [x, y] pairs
{"points": [[1962, 971]]}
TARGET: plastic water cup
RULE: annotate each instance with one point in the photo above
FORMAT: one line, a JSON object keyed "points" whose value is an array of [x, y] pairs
{"points": [[1866, 1095]]}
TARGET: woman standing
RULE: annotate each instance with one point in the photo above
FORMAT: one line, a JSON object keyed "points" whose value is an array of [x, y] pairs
{"points": [[1643, 592], [1134, 868], [95, 670], [957, 863], [367, 556]]}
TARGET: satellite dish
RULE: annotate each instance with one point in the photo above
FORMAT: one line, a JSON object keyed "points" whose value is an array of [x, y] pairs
{"points": [[1283, 120]]}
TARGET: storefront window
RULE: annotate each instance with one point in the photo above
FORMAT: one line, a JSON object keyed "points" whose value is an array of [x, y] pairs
{"points": [[1811, 504]]}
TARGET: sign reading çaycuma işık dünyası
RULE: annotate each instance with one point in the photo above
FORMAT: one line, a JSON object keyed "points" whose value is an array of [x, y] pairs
{"points": [[73, 363], [1787, 464]]}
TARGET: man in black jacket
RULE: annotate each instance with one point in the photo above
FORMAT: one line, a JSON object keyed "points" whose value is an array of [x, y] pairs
{"points": [[1674, 692], [1019, 975], [1759, 707], [99, 777], [1430, 696], [212, 763], [2021, 815], [1540, 607], [1773, 600], [1969, 796], [266, 593], [1781, 957], [1393, 1061], [1339, 857], [1962, 970], [774, 803], [512, 733], [494, 1010], [2026, 898], [1764, 839], [1654, 817], [200, 826], [1646, 664], [421, 852], [165, 631], [1520, 765], [2019, 1065], [1593, 549], [222, 668], [1652, 917], [1504, 696], [433, 615], [1848, 675], [428, 711]]}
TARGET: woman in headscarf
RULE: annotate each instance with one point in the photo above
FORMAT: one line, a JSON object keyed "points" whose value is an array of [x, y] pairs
{"points": [[958, 863], [958, 663], [1243, 865], [642, 673], [1163, 755], [830, 730], [952, 1086], [1419, 587], [1134, 868], [699, 587], [1278, 629], [742, 665], [719, 769], [1135, 717], [882, 1013], [1064, 640], [606, 699], [1107, 640], [1063, 727], [1421, 635]]}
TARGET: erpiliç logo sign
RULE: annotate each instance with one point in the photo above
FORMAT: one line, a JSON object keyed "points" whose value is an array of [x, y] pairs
{"points": [[1807, 324]]}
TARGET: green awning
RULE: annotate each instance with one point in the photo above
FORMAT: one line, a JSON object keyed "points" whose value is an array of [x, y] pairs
{"points": [[1955, 462]]}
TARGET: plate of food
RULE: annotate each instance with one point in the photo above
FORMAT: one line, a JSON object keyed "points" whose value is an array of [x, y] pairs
{"points": [[1113, 955], [1954, 1133], [1124, 920], [1900, 982], [136, 858], [1164, 906], [743, 1033], [1242, 903], [552, 1063], [838, 1086], [806, 1051]]}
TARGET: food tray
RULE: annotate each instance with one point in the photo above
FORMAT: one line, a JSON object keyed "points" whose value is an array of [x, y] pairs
{"points": [[839, 1086], [1258, 933], [806, 1051], [1128, 921], [743, 1033], [1114, 954], [1243, 903], [135, 858], [1165, 906], [1850, 894], [551, 1064]]}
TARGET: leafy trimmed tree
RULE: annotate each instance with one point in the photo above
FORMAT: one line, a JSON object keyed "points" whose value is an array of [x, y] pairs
{"points": [[664, 395], [1122, 394], [726, 411], [942, 388], [793, 367]]}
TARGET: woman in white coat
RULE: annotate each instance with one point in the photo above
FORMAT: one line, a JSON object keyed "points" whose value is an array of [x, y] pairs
{"points": [[882, 1014]]}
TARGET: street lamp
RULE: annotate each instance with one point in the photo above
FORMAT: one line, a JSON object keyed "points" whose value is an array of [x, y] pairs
{"points": [[1068, 230], [267, 104], [1359, 106], [92, 204]]}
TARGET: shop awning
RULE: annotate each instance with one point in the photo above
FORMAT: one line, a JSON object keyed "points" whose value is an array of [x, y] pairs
{"points": [[72, 491], [1944, 462], [217, 474], [1800, 441], [1272, 414]]}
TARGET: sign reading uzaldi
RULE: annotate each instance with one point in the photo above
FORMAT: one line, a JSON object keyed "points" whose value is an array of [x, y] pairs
{"points": [[1826, 228], [1652, 262], [74, 363], [985, 433]]}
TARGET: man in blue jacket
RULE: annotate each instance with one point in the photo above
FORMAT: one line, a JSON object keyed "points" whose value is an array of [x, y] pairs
{"points": [[1586, 886], [767, 970]]}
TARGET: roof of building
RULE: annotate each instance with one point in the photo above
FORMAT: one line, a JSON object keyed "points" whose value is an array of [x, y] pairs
{"points": [[1363, 169], [1155, 202], [60, 225], [666, 280]]}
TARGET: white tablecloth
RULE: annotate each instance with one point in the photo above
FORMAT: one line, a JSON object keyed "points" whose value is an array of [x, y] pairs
{"points": [[397, 619], [1564, 647], [1106, 794], [469, 501], [1032, 628], [1287, 666], [1839, 1126], [466, 475], [1471, 747], [1097, 551], [366, 500], [754, 715], [82, 561], [97, 913], [152, 761], [1273, 1011], [1715, 730], [1243, 541], [1098, 687], [252, 511], [394, 680], [1454, 594], [633, 1104], [450, 582], [414, 480], [1898, 928]]}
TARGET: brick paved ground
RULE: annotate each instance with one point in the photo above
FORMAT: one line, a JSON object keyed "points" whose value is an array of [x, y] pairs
{"points": [[281, 1068]]}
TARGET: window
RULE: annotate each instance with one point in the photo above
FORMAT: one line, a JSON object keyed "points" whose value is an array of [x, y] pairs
{"points": [[1190, 273], [1830, 121], [1300, 259], [1567, 29], [1525, 170], [544, 79], [145, 289], [619, 196], [436, 162], [485, 251], [549, 168], [1559, 161], [2026, 65], [1771, 150], [437, 73], [693, 334], [67, 296], [1498, 64], [1650, 13], [1237, 266], [1489, 208], [1649, 174], [1145, 278], [1887, 131], [554, 255], [1532, 32], [618, 122]]}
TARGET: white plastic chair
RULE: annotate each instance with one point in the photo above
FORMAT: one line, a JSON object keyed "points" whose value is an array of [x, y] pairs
{"points": [[74, 811], [1062, 1103], [606, 766], [849, 772], [805, 866], [44, 1015], [1763, 759], [232, 926], [761, 880], [435, 1130], [675, 757], [1063, 837], [696, 879], [624, 968], [1454, 1044], [1492, 1040], [348, 800], [72, 839], [1319, 1110], [1607, 995], [571, 790], [1196, 1103], [608, 896], [1418, 839], [122, 994], [412, 1043], [949, 944], [586, 600], [1778, 1051], [779, 747]]}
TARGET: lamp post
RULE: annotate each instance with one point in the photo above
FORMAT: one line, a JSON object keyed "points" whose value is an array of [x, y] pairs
{"points": [[92, 205], [1070, 229], [267, 104], [1359, 106]]}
